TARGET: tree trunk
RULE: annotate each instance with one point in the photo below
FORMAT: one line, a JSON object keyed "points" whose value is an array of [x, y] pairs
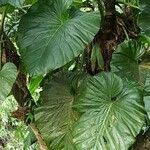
{"points": [[20, 90]]}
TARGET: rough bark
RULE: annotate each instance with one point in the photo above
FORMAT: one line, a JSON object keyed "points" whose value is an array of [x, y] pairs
{"points": [[19, 90], [107, 36], [142, 141], [114, 29]]}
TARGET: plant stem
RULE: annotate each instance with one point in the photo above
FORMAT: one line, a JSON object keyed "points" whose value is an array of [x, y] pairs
{"points": [[101, 8], [107, 35], [38, 135]]}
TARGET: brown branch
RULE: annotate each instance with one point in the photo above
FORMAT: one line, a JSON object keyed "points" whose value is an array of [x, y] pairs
{"points": [[40, 139], [107, 36], [142, 141], [19, 90]]}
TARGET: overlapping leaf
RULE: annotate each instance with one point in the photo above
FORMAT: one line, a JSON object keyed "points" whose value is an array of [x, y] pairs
{"points": [[55, 117], [145, 68], [144, 17], [50, 35], [113, 114], [7, 78], [147, 96], [125, 59]]}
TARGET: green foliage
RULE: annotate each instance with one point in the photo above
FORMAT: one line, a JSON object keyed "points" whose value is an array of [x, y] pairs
{"points": [[7, 78], [58, 44], [147, 97], [144, 17], [55, 116], [108, 106], [125, 60], [49, 50], [12, 132], [97, 58], [16, 3], [34, 83]]}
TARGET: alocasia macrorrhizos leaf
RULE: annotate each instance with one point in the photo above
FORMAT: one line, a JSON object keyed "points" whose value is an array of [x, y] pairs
{"points": [[50, 35], [16, 3], [7, 78], [144, 17], [125, 59], [112, 114], [55, 116]]}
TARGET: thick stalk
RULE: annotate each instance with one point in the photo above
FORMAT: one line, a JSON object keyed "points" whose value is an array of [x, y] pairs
{"points": [[107, 36]]}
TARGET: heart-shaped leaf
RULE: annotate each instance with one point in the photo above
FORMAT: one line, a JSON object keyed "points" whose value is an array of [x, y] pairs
{"points": [[55, 116], [59, 34], [112, 114], [7, 78]]}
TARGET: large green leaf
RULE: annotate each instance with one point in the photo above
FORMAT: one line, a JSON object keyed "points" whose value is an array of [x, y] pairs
{"points": [[50, 35], [125, 59], [147, 85], [144, 17], [113, 114], [145, 67], [55, 116], [7, 78], [147, 96], [16, 3]]}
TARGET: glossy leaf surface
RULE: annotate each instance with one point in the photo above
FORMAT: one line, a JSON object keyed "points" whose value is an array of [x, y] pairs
{"points": [[113, 114], [51, 34], [144, 17], [125, 60]]}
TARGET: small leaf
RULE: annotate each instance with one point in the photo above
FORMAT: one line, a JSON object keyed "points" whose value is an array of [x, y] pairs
{"points": [[59, 35], [34, 83], [144, 39], [7, 78], [112, 114], [97, 58]]}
